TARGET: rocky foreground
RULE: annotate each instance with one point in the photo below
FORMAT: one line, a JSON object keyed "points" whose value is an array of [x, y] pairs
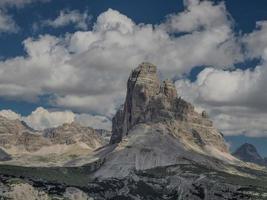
{"points": [[160, 148]]}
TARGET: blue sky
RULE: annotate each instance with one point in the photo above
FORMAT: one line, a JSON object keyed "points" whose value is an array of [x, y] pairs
{"points": [[225, 48]]}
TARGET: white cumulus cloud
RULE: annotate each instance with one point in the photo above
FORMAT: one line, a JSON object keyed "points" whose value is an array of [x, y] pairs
{"points": [[67, 17], [86, 71], [236, 100], [18, 3], [42, 118], [7, 24]]}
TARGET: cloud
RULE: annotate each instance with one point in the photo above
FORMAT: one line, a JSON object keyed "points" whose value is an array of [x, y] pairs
{"points": [[42, 118], [87, 71], [256, 42], [219, 87], [95, 121], [18, 3], [236, 100], [70, 17], [7, 24], [197, 16]]}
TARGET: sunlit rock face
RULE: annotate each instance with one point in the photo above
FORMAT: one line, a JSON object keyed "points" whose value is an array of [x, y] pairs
{"points": [[142, 85], [156, 128], [150, 101], [16, 134], [74, 133]]}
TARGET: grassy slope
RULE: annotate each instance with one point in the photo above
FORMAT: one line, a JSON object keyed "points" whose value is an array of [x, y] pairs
{"points": [[74, 176]]}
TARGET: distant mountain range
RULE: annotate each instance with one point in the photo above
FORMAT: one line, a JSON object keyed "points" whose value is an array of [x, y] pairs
{"points": [[22, 145], [159, 148]]}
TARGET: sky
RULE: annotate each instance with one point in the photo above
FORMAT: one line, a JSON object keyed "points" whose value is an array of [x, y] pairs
{"points": [[68, 60]]}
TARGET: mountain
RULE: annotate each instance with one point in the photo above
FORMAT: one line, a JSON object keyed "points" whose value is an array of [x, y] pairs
{"points": [[160, 148], [248, 153], [74, 133], [154, 122], [17, 137], [51, 147]]}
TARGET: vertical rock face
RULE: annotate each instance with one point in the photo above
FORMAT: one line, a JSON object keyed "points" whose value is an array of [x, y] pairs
{"points": [[149, 101], [142, 85]]}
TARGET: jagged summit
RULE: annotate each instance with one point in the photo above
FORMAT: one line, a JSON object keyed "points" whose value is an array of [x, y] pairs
{"points": [[149, 101], [146, 100]]}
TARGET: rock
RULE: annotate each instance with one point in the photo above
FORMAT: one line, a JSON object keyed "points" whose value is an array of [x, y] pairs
{"points": [[55, 146], [248, 153], [4, 156], [168, 88], [204, 114], [32, 141], [148, 101], [142, 85], [14, 133], [20, 191], [74, 133], [155, 127], [105, 134], [160, 148]]}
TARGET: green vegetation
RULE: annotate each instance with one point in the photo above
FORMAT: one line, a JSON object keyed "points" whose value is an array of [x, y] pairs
{"points": [[74, 176]]}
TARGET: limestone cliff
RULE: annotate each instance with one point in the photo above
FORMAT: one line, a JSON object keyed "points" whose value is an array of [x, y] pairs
{"points": [[149, 101]]}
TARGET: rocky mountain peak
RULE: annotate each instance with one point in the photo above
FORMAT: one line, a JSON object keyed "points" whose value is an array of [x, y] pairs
{"points": [[248, 153], [148, 101], [248, 149]]}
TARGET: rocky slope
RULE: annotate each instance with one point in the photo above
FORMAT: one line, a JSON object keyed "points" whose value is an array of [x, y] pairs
{"points": [[248, 153], [16, 136], [74, 133]]}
